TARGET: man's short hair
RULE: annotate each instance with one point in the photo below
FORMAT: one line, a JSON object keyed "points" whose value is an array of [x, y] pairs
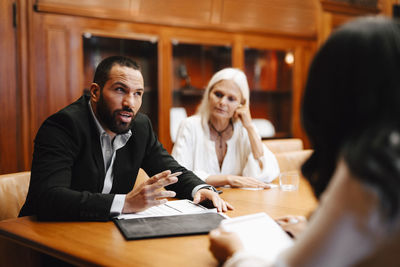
{"points": [[103, 69]]}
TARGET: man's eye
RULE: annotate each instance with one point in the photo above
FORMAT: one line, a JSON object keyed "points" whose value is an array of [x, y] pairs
{"points": [[119, 89], [139, 93], [232, 99]]}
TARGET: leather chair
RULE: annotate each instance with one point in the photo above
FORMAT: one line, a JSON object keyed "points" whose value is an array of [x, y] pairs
{"points": [[141, 177], [13, 191], [292, 160]]}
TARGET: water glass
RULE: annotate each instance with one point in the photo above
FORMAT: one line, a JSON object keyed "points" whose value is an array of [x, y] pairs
{"points": [[289, 181]]}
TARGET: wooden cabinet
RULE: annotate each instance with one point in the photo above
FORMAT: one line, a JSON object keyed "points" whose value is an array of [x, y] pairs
{"points": [[9, 123], [336, 13], [50, 55], [267, 62], [67, 49], [270, 76]]}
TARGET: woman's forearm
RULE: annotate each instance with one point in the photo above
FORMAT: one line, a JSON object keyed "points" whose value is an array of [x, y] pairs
{"points": [[255, 142], [217, 180]]}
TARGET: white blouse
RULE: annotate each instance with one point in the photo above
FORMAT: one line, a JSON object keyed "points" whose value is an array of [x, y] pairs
{"points": [[195, 150], [347, 228]]}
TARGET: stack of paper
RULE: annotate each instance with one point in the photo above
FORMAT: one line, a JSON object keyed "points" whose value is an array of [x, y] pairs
{"points": [[259, 233], [175, 207]]}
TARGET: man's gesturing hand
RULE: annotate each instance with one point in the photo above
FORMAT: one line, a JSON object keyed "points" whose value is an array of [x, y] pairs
{"points": [[148, 194]]}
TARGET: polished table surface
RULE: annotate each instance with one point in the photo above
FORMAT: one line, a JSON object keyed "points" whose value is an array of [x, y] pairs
{"points": [[101, 243]]}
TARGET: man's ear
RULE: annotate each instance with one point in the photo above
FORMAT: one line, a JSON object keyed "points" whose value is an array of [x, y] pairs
{"points": [[95, 92]]}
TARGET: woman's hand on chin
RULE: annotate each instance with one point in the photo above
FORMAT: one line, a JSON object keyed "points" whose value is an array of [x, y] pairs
{"points": [[243, 113]]}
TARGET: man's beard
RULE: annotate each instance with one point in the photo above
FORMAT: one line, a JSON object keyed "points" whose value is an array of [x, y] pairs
{"points": [[109, 118]]}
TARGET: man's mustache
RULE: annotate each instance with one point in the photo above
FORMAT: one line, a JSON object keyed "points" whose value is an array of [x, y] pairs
{"points": [[125, 109], [128, 110]]}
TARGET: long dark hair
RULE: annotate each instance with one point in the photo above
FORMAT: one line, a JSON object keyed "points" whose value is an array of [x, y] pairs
{"points": [[353, 91]]}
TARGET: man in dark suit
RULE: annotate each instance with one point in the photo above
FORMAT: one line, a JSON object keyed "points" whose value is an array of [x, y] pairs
{"points": [[87, 156]]}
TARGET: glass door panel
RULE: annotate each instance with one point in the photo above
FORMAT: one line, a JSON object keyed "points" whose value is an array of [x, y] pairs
{"points": [[270, 77]]}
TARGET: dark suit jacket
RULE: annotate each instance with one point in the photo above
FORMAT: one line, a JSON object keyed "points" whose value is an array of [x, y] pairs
{"points": [[68, 170]]}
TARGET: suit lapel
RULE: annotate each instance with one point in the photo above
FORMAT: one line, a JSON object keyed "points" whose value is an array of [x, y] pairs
{"points": [[97, 154], [98, 159]]}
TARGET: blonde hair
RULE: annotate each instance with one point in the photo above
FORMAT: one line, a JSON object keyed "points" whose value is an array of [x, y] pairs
{"points": [[235, 75]]}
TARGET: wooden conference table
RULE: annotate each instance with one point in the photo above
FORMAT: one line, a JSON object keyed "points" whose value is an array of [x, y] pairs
{"points": [[101, 243]]}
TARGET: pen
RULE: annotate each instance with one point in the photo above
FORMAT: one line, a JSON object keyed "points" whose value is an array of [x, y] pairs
{"points": [[220, 191], [174, 174]]}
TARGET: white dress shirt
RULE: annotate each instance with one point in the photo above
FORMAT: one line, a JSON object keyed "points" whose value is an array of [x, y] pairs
{"points": [[109, 149]]}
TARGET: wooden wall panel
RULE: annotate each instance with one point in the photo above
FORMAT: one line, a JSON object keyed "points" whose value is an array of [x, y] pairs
{"points": [[303, 57], [120, 9], [57, 66], [75, 58], [182, 10], [23, 74], [164, 92], [386, 7], [9, 119], [38, 76], [97, 4], [334, 13], [279, 16], [284, 17]]}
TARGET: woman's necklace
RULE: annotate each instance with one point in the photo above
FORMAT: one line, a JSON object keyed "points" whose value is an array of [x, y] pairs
{"points": [[220, 132]]}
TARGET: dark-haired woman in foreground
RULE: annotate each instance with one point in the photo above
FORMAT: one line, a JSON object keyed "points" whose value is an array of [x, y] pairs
{"points": [[351, 113]]}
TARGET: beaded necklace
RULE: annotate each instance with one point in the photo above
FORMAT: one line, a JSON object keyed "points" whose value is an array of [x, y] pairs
{"points": [[220, 132]]}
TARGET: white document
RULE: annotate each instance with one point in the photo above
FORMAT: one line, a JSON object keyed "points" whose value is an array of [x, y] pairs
{"points": [[259, 188], [260, 234], [174, 207]]}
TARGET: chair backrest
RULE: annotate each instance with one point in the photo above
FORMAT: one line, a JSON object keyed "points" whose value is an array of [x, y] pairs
{"points": [[264, 127], [13, 191], [176, 116], [284, 145], [292, 160]]}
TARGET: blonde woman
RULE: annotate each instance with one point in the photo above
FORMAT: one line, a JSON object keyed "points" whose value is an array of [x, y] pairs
{"points": [[220, 144]]}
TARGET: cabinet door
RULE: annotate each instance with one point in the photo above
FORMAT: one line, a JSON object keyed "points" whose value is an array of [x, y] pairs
{"points": [[270, 77], [193, 66], [96, 48], [8, 93]]}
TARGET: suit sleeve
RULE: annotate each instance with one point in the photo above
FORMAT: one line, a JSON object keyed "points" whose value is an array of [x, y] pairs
{"points": [[51, 197]]}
